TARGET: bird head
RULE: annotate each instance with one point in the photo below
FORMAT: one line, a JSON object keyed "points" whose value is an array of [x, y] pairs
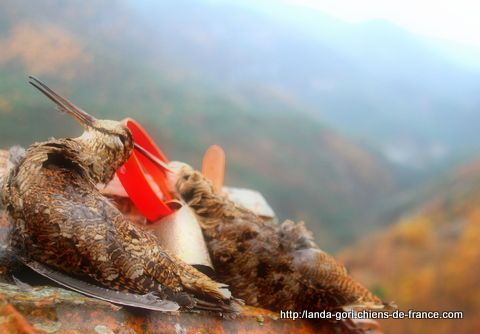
{"points": [[178, 176], [108, 144], [188, 183]]}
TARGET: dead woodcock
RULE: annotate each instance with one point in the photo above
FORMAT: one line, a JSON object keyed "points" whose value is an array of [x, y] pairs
{"points": [[275, 266], [60, 219]]}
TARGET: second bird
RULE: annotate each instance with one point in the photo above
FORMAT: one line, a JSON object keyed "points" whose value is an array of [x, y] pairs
{"points": [[275, 266]]}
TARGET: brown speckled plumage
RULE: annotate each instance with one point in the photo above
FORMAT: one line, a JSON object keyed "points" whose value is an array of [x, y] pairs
{"points": [[276, 266], [60, 219]]}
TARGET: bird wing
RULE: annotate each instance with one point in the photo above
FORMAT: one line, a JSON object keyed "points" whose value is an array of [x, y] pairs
{"points": [[121, 256], [321, 273]]}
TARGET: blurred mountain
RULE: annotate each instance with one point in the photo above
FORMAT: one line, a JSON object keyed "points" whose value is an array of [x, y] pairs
{"points": [[327, 119], [403, 94], [430, 259]]}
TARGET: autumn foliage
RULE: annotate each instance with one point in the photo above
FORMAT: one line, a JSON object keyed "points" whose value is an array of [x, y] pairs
{"points": [[429, 260]]}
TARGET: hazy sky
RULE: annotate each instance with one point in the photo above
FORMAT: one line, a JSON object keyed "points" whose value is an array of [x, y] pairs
{"points": [[457, 20]]}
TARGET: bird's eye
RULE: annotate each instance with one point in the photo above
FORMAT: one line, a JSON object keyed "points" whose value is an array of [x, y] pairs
{"points": [[122, 138], [126, 140]]}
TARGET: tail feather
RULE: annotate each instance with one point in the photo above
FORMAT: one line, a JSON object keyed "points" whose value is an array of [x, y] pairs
{"points": [[201, 284]]}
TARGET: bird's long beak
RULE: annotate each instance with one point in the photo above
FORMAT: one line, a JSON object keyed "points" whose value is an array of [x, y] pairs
{"points": [[162, 165], [63, 104]]}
